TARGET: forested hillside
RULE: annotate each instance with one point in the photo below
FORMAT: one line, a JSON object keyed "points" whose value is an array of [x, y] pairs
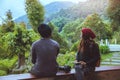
{"points": [[54, 7], [61, 13], [80, 10]]}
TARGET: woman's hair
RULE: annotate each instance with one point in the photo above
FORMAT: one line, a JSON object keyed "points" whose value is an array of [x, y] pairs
{"points": [[87, 38], [44, 30], [84, 44]]}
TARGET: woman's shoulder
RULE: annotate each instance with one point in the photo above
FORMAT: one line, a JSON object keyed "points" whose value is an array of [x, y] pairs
{"points": [[93, 43]]}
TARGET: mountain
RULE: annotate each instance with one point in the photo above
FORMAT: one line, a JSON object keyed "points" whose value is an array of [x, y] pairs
{"points": [[63, 12], [24, 19], [50, 9], [57, 6], [82, 10]]}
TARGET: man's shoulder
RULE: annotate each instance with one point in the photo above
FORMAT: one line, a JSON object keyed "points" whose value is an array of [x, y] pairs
{"points": [[36, 42], [55, 42]]}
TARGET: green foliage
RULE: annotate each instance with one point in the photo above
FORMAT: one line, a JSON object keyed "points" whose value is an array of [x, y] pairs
{"points": [[6, 26], [7, 65], [6, 43], [66, 59], [101, 29], [104, 49], [56, 36], [70, 30], [60, 22], [8, 23], [3, 53], [18, 41], [116, 35], [113, 12], [74, 46], [81, 10], [106, 56], [35, 13], [2, 73]]}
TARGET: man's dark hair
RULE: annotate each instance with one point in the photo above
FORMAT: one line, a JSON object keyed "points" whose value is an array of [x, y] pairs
{"points": [[44, 30]]}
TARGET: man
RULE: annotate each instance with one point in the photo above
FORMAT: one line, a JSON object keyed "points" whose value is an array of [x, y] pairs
{"points": [[44, 53]]}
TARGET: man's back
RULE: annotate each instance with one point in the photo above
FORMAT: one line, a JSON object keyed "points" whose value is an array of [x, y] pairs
{"points": [[44, 53]]}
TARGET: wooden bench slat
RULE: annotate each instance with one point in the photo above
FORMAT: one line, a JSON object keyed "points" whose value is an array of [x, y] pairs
{"points": [[107, 68], [101, 71]]}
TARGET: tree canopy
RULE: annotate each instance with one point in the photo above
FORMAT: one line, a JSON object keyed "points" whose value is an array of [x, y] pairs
{"points": [[101, 29], [35, 13], [114, 14], [8, 23]]}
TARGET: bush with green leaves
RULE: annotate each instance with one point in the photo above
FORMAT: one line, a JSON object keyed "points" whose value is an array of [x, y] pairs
{"points": [[74, 46], [6, 65], [102, 29], [19, 42], [66, 59], [2, 73], [104, 49]]}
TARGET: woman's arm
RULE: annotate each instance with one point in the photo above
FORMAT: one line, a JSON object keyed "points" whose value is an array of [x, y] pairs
{"points": [[95, 53]]}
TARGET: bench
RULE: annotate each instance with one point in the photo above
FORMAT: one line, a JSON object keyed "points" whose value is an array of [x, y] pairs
{"points": [[102, 73]]}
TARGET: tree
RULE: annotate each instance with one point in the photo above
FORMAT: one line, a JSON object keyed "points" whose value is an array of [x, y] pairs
{"points": [[6, 27], [116, 35], [60, 22], [113, 12], [70, 30], [56, 36], [35, 13], [101, 29], [19, 42], [8, 23]]}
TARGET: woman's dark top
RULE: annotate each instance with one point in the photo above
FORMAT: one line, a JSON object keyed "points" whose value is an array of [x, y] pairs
{"points": [[90, 56], [44, 53]]}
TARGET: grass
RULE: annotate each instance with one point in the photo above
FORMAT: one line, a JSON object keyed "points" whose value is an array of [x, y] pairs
{"points": [[106, 56]]}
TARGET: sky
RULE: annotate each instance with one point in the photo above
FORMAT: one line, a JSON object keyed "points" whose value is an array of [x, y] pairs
{"points": [[48, 1], [17, 6]]}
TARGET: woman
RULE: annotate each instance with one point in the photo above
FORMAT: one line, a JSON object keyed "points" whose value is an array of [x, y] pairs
{"points": [[87, 56]]}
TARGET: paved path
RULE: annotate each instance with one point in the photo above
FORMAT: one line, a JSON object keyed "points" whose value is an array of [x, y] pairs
{"points": [[113, 61]]}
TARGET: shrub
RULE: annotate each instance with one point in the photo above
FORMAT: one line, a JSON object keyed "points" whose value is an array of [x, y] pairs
{"points": [[2, 73], [6, 65], [63, 51], [66, 59], [74, 46], [104, 49]]}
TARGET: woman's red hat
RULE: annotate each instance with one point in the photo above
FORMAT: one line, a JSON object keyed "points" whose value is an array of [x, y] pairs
{"points": [[88, 32]]}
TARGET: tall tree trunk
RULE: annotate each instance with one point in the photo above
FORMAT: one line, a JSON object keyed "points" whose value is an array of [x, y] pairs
{"points": [[21, 64], [21, 60]]}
